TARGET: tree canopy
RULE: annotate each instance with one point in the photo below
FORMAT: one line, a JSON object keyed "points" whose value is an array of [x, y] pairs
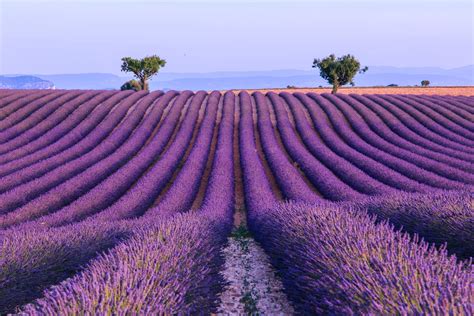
{"points": [[143, 68], [131, 85], [425, 83], [338, 71]]}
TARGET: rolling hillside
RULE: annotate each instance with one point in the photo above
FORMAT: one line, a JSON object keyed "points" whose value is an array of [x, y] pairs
{"points": [[121, 202]]}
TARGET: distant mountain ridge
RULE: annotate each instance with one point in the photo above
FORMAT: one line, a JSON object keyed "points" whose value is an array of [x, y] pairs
{"points": [[376, 76], [24, 82]]}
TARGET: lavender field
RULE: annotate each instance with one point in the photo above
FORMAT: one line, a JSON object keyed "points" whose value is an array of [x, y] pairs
{"points": [[122, 202]]}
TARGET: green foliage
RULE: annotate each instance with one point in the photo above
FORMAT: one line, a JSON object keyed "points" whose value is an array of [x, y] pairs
{"points": [[241, 232], [338, 71], [250, 304], [393, 85], [425, 83], [143, 68], [131, 85]]}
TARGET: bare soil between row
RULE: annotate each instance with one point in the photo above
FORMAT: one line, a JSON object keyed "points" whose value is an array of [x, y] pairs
{"points": [[460, 90]]}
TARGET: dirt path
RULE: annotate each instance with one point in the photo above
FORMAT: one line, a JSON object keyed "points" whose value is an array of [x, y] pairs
{"points": [[462, 90], [253, 288]]}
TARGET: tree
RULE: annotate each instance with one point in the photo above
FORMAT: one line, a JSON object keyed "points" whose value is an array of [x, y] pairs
{"points": [[425, 83], [131, 85], [144, 68], [338, 71]]}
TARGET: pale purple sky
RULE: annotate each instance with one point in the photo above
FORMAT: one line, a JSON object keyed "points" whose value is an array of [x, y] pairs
{"points": [[41, 37]]}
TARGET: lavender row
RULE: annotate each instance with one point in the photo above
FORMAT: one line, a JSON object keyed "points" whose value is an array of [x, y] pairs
{"points": [[407, 129], [161, 270], [55, 125], [34, 166], [430, 127], [167, 250], [437, 123], [129, 191], [342, 168], [184, 189], [440, 217], [258, 192], [463, 102], [397, 126], [46, 106], [360, 127], [353, 108], [454, 104], [147, 188], [448, 111], [9, 97], [21, 119], [219, 195], [4, 93], [311, 263], [77, 126], [53, 189], [406, 168], [337, 260], [350, 145], [60, 252], [220, 187], [328, 184], [288, 178], [39, 259], [17, 101]]}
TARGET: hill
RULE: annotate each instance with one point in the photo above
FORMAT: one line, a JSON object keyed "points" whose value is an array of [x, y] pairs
{"points": [[24, 82], [377, 76], [121, 202]]}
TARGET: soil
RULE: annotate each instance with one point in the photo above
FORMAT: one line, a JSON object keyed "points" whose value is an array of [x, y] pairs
{"points": [[461, 90]]}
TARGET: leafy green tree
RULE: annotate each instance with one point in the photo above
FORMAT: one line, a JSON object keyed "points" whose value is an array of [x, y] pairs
{"points": [[425, 83], [144, 68], [338, 71], [131, 85]]}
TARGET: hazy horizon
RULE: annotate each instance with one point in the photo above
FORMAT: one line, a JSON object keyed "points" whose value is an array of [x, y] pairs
{"points": [[63, 37]]}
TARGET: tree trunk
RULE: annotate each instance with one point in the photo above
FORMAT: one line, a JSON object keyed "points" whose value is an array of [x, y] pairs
{"points": [[144, 83], [335, 86]]}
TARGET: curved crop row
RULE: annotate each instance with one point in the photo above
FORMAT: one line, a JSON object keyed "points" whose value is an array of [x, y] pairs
{"points": [[37, 260], [15, 102], [167, 250], [405, 168], [439, 217], [341, 167], [330, 186], [397, 124], [184, 189], [288, 178], [258, 192], [380, 127], [368, 164], [21, 124], [386, 144], [337, 260], [128, 191], [52, 191], [34, 166], [454, 114], [431, 125], [24, 108], [9, 96], [96, 191], [65, 134], [465, 103], [55, 126]]}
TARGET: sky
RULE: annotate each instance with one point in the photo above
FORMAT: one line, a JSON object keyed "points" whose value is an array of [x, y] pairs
{"points": [[55, 37]]}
